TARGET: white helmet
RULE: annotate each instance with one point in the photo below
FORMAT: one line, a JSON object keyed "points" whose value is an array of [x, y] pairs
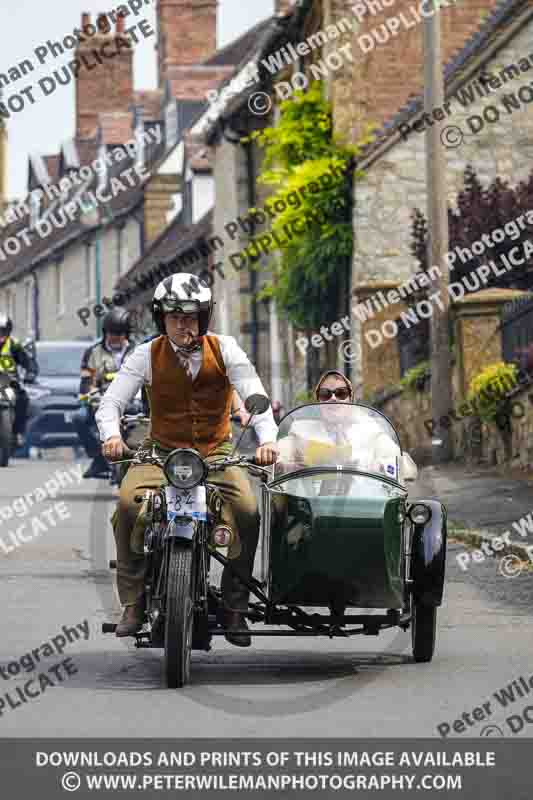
{"points": [[182, 292]]}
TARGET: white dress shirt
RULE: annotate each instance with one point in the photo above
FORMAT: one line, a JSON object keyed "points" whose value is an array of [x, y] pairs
{"points": [[137, 370]]}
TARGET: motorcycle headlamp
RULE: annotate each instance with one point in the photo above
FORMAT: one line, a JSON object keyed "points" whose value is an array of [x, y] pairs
{"points": [[419, 514], [185, 469]]}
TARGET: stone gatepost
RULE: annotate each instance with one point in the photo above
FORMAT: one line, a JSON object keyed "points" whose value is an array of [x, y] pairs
{"points": [[374, 308], [478, 337]]}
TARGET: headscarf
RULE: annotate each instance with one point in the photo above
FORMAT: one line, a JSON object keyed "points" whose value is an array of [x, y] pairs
{"points": [[340, 375]]}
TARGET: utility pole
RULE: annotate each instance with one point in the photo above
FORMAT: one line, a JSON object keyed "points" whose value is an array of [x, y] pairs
{"points": [[437, 208]]}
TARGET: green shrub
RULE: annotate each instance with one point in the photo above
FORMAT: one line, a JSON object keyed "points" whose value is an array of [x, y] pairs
{"points": [[415, 378], [488, 390]]}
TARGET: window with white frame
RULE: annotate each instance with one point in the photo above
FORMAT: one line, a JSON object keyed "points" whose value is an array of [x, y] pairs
{"points": [[122, 250], [90, 256], [58, 287], [171, 123], [140, 153], [35, 208], [29, 306], [102, 168], [10, 305]]}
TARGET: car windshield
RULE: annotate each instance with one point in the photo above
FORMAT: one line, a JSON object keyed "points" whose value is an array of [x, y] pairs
{"points": [[334, 435], [59, 360]]}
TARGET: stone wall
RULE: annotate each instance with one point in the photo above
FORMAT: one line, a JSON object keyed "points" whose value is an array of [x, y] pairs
{"points": [[474, 442], [395, 183]]}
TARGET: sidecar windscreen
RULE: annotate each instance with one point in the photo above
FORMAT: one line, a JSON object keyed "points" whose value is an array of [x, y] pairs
{"points": [[337, 435]]}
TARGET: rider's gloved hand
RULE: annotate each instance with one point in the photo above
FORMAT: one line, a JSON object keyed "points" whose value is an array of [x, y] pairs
{"points": [[266, 455], [114, 448]]}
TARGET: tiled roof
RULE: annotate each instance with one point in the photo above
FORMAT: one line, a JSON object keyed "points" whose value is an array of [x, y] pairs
{"points": [[41, 249], [492, 29], [258, 42], [172, 243], [240, 48]]}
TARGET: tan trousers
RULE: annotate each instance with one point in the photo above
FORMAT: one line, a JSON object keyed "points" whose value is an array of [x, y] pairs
{"points": [[239, 512]]}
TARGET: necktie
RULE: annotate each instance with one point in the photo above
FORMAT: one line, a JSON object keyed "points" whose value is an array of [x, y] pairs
{"points": [[185, 358]]}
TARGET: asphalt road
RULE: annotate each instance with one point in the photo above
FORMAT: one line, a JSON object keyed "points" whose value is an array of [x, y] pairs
{"points": [[359, 687]]}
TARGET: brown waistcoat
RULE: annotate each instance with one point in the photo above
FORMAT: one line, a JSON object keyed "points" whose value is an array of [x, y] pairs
{"points": [[187, 413]]}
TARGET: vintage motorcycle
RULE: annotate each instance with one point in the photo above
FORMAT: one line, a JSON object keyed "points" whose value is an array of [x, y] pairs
{"points": [[10, 383], [336, 531], [7, 417]]}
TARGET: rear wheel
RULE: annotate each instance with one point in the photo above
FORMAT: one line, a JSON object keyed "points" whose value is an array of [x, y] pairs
{"points": [[5, 437], [179, 615], [423, 632]]}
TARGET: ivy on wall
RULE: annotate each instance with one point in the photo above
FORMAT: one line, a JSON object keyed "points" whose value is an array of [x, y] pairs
{"points": [[299, 153]]}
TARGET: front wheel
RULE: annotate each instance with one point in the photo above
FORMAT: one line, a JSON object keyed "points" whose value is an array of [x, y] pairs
{"points": [[178, 615], [423, 632]]}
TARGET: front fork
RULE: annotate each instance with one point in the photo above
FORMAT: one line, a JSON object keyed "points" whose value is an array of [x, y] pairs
{"points": [[158, 536]]}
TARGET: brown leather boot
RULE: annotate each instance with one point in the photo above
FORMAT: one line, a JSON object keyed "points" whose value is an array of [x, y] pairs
{"points": [[236, 621], [132, 620]]}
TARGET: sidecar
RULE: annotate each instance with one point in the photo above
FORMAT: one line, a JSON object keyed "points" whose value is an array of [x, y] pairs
{"points": [[338, 532]]}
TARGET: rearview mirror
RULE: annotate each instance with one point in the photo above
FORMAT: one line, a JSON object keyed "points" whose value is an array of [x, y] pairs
{"points": [[257, 404]]}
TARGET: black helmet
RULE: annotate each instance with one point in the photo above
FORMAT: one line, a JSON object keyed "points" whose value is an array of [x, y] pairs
{"points": [[182, 292], [6, 326], [117, 322]]}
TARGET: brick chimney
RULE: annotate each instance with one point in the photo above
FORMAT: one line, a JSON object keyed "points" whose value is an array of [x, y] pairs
{"points": [[187, 33], [106, 86], [283, 6]]}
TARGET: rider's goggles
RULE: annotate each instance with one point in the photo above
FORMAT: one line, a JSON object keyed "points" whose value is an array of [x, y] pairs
{"points": [[173, 304], [342, 393]]}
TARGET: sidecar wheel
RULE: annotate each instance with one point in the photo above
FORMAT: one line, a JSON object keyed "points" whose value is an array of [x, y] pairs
{"points": [[423, 632], [178, 616]]}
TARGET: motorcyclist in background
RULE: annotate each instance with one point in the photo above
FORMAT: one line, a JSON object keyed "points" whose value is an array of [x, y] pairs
{"points": [[98, 363], [13, 355]]}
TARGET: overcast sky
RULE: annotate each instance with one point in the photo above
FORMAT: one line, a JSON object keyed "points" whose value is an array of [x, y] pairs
{"points": [[27, 24]]}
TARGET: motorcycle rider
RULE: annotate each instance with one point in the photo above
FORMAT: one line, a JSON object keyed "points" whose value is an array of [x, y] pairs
{"points": [[189, 373], [13, 355], [102, 358]]}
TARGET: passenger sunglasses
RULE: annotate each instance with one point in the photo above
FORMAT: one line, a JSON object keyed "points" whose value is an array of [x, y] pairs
{"points": [[342, 393]]}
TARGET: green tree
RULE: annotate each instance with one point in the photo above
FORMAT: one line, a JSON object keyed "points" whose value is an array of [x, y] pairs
{"points": [[312, 177]]}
